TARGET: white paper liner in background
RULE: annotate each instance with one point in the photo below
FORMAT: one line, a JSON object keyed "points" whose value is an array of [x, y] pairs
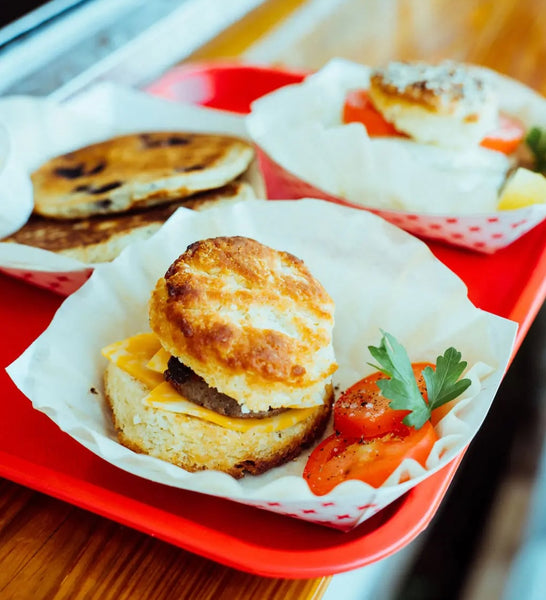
{"points": [[33, 130], [385, 279], [435, 192], [16, 200]]}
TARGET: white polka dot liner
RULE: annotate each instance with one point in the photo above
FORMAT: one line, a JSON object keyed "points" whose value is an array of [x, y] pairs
{"points": [[60, 282], [382, 279], [480, 232]]}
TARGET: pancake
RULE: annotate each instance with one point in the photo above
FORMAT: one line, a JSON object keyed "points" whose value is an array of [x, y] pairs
{"points": [[136, 171], [102, 238]]}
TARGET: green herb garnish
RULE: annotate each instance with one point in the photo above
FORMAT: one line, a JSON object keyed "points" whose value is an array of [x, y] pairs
{"points": [[443, 383], [536, 141]]}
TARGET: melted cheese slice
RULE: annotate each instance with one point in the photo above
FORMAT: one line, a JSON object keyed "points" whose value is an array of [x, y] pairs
{"points": [[159, 361], [165, 397], [143, 357], [132, 355]]}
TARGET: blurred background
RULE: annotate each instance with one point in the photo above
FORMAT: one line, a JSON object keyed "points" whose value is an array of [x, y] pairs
{"points": [[488, 540]]}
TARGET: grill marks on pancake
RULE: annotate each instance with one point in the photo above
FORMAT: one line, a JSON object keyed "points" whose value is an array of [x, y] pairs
{"points": [[196, 167], [196, 390], [91, 189], [79, 170], [151, 141]]}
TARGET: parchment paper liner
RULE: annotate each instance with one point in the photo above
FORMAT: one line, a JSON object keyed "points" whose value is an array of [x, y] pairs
{"points": [[435, 193], [37, 129], [379, 277]]}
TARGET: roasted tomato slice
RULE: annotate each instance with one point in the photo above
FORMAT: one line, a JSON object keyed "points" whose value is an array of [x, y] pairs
{"points": [[359, 108], [507, 137], [363, 412], [337, 459]]}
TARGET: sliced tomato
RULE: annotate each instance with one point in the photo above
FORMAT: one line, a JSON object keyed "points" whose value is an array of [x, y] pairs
{"points": [[337, 459], [507, 137], [363, 412], [359, 108]]}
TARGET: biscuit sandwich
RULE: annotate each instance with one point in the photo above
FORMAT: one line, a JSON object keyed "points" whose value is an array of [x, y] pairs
{"points": [[444, 104], [236, 375], [92, 202]]}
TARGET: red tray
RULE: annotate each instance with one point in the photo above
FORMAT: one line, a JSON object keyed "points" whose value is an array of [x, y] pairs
{"points": [[35, 453]]}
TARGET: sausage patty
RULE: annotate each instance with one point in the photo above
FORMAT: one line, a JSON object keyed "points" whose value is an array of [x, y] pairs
{"points": [[195, 388]]}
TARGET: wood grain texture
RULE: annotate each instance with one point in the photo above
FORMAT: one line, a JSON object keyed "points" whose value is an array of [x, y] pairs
{"points": [[49, 549], [505, 35]]}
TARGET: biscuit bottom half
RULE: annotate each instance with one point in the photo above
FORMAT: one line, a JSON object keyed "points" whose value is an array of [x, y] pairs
{"points": [[195, 444]]}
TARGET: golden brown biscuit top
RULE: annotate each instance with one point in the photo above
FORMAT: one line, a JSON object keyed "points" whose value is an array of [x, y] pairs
{"points": [[251, 320], [439, 88]]}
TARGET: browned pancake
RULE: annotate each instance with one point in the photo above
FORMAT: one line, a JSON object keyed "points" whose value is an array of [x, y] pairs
{"points": [[135, 171], [101, 238]]}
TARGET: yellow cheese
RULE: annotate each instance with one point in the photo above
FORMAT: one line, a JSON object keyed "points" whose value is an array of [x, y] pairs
{"points": [[523, 189], [159, 361], [133, 354], [165, 397], [144, 359]]}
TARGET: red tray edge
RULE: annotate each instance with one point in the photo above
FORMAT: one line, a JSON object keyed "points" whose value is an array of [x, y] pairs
{"points": [[265, 562]]}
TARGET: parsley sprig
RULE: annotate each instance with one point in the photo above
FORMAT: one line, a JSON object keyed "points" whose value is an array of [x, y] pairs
{"points": [[443, 383], [536, 140]]}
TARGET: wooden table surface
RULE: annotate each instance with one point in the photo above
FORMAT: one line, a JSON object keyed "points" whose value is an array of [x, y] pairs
{"points": [[50, 549]]}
